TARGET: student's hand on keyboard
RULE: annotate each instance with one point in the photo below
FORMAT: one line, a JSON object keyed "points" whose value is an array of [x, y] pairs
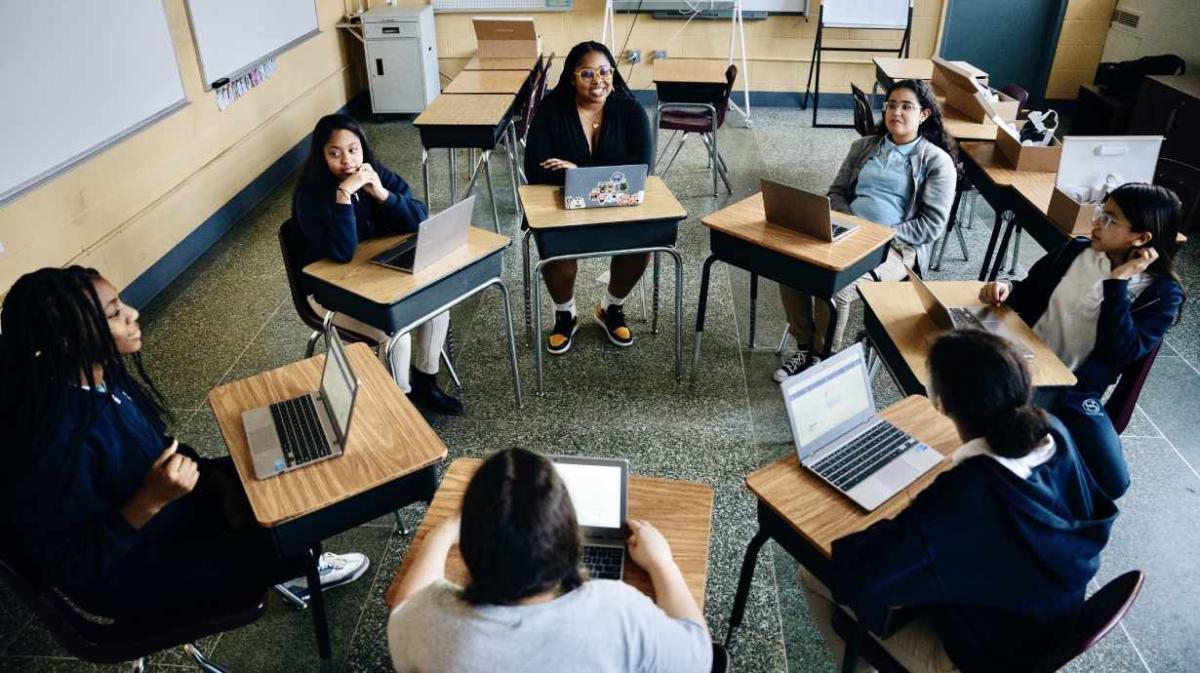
{"points": [[647, 547], [172, 476], [994, 293]]}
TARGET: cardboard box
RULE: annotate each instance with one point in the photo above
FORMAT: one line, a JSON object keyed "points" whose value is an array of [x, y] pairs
{"points": [[1088, 162], [506, 37], [1025, 157], [975, 106], [949, 75], [1069, 215]]}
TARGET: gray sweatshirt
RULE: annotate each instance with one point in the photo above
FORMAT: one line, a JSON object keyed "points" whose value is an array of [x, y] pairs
{"points": [[933, 181]]}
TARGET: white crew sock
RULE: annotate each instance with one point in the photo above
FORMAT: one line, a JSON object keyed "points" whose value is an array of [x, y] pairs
{"points": [[568, 306], [610, 300]]}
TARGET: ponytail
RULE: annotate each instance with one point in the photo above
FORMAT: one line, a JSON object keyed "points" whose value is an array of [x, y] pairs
{"points": [[1015, 434]]}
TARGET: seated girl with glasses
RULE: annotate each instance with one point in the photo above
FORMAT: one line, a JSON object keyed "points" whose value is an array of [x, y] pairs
{"points": [[590, 119], [1102, 303], [903, 178]]}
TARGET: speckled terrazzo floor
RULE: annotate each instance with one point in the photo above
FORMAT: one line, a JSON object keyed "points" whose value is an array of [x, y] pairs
{"points": [[230, 316]]}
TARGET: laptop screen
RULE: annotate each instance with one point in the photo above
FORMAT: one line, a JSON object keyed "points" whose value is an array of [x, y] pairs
{"points": [[338, 386], [596, 491], [827, 400]]}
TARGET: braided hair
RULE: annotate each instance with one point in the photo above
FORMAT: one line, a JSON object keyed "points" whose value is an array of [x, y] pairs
{"points": [[54, 334]]}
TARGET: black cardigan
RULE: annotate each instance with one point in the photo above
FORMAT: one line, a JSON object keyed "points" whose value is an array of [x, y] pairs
{"points": [[557, 134]]}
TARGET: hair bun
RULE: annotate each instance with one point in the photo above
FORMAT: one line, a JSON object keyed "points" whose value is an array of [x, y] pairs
{"points": [[1014, 435]]}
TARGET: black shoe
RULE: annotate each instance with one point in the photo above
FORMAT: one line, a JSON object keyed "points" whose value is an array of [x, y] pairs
{"points": [[563, 335], [803, 359], [428, 395], [613, 321]]}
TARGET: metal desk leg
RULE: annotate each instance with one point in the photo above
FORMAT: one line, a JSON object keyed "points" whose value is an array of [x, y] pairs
{"points": [[536, 343], [512, 167], [512, 341], [753, 307], [453, 174], [831, 327], [1012, 269], [528, 288], [425, 174], [316, 600], [998, 261], [678, 312], [701, 308], [657, 274], [487, 174], [743, 589], [997, 225], [388, 348]]}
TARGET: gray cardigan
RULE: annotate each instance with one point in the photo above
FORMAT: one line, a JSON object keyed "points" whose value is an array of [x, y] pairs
{"points": [[933, 180]]}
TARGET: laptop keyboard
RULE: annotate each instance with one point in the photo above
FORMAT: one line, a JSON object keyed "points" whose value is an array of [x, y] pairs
{"points": [[604, 563], [963, 318], [864, 456], [300, 435], [395, 256], [838, 230]]}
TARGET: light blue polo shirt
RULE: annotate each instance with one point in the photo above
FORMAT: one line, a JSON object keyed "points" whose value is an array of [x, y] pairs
{"points": [[884, 187]]}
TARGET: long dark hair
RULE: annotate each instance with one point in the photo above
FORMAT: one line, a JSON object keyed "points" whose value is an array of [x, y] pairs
{"points": [[315, 175], [984, 386], [519, 534], [565, 89], [54, 332], [1157, 210], [932, 129]]}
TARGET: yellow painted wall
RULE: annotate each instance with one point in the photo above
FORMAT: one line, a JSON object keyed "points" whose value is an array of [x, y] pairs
{"points": [[123, 209], [1084, 30], [778, 49]]}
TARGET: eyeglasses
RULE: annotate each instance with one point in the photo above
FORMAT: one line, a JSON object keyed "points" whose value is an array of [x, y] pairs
{"points": [[604, 72], [1102, 219], [903, 106]]}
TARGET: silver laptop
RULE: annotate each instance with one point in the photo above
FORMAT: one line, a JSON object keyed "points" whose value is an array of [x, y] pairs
{"points": [[306, 429], [437, 236], [604, 186], [982, 318], [598, 489], [804, 212], [841, 439]]}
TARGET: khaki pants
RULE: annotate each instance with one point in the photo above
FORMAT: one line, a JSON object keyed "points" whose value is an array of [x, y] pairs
{"points": [[808, 317], [430, 337], [915, 646]]}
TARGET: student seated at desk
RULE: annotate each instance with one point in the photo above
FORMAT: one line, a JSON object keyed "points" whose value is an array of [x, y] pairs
{"points": [[95, 499], [1103, 303], [345, 196], [590, 119], [527, 606], [904, 178], [995, 556]]}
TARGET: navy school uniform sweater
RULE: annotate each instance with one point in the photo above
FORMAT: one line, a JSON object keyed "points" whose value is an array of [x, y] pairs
{"points": [[333, 230], [996, 561], [1127, 330], [556, 133]]}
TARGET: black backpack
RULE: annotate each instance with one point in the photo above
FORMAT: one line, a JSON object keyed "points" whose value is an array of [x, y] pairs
{"points": [[1124, 80]]}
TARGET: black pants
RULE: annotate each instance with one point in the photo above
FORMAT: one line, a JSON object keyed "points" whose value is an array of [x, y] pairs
{"points": [[208, 549], [1096, 440]]}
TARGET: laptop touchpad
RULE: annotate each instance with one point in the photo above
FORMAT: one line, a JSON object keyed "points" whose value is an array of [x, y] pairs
{"points": [[897, 475]]}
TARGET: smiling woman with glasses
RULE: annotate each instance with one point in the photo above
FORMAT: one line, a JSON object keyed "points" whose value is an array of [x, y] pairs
{"points": [[590, 119]]}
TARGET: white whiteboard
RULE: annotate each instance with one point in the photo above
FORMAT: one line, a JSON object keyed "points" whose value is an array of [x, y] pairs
{"points": [[233, 36], [77, 77], [776, 6], [865, 13], [477, 6]]}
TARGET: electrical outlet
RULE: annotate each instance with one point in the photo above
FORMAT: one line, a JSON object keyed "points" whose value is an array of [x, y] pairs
{"points": [[633, 56], [660, 53]]}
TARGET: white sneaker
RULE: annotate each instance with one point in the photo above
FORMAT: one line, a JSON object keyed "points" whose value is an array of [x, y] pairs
{"points": [[801, 360], [334, 570]]}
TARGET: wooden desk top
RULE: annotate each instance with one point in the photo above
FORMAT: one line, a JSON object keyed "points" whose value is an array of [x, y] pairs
{"points": [[987, 156], [488, 81], [689, 71], [681, 510], [960, 128], [747, 220], [916, 68], [387, 286], [900, 312], [821, 514], [1188, 85], [475, 109], [1037, 188], [544, 208], [524, 63], [388, 437]]}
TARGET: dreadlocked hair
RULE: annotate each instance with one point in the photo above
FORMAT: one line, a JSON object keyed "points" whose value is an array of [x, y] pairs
{"points": [[54, 332]]}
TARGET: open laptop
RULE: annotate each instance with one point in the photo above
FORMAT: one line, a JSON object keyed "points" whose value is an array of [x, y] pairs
{"points": [[841, 439], [598, 489], [604, 186], [306, 429], [804, 212], [437, 236], [961, 317]]}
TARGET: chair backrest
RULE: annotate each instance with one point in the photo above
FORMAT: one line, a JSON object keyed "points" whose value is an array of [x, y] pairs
{"points": [[537, 95], [295, 257], [78, 635], [723, 107], [1124, 397], [1016, 91], [864, 116], [1101, 613], [1184, 180]]}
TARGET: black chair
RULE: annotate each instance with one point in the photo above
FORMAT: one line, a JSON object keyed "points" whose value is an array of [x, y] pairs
{"points": [[720, 662], [1184, 180], [111, 642], [1100, 614], [701, 118], [1018, 92], [1124, 397], [864, 116]]}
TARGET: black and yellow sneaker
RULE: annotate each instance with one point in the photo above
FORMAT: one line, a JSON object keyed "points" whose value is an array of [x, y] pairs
{"points": [[566, 324], [613, 321]]}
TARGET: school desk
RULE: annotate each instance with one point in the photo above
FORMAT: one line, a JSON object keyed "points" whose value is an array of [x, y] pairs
{"points": [[389, 462], [889, 70], [562, 234], [396, 302], [488, 81], [681, 510], [524, 63]]}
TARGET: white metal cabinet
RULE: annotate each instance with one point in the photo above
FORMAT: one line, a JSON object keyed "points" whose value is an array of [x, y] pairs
{"points": [[401, 53]]}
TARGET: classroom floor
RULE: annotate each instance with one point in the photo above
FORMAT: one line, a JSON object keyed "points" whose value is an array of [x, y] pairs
{"points": [[230, 316]]}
